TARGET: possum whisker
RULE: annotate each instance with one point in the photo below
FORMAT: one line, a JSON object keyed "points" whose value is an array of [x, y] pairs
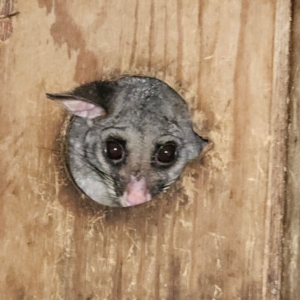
{"points": [[8, 16], [90, 165]]}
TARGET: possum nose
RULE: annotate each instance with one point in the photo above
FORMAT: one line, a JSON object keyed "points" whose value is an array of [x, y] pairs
{"points": [[136, 192]]}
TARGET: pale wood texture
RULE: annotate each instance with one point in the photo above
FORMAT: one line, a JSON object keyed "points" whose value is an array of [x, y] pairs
{"points": [[6, 29], [291, 269], [217, 233]]}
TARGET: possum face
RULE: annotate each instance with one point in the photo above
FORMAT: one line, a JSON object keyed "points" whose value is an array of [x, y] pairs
{"points": [[129, 140]]}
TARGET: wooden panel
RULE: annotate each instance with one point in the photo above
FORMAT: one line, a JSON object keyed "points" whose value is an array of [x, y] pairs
{"points": [[291, 259], [6, 10], [216, 233]]}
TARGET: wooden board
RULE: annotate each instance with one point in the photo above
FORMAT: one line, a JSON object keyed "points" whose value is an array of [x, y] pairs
{"points": [[6, 11], [291, 258], [217, 233]]}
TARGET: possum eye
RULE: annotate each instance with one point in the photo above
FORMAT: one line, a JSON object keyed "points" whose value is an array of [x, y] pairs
{"points": [[114, 150], [166, 154]]}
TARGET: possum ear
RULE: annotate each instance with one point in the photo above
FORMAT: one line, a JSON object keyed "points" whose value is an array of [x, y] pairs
{"points": [[79, 106], [88, 101]]}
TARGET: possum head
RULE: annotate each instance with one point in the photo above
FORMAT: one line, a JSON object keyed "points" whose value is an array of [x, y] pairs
{"points": [[129, 140]]}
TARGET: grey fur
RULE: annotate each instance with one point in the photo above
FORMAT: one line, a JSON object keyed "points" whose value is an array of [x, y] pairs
{"points": [[144, 112]]}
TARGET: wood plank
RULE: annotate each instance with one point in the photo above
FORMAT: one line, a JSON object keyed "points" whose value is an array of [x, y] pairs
{"points": [[217, 233], [6, 10], [291, 258]]}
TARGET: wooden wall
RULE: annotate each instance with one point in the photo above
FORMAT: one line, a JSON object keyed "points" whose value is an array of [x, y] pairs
{"points": [[291, 258], [217, 233]]}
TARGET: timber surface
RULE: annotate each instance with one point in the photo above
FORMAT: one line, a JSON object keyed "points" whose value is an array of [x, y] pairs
{"points": [[217, 233], [6, 29], [291, 258]]}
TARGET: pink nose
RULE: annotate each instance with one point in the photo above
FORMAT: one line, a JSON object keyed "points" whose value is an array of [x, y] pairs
{"points": [[136, 192]]}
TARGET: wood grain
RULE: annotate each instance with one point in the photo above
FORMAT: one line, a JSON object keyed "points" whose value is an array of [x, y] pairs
{"points": [[291, 258], [217, 233], [6, 28]]}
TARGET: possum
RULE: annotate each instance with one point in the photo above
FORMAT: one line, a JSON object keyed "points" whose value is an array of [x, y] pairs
{"points": [[129, 139]]}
